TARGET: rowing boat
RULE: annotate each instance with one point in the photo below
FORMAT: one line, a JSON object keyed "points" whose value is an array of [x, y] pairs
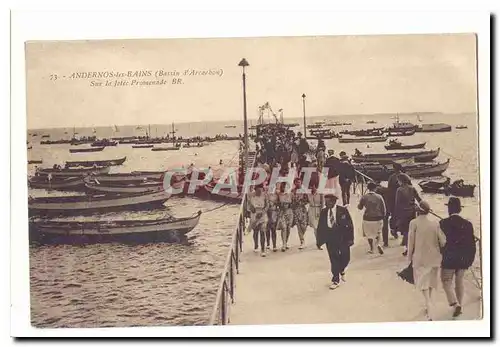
{"points": [[85, 150], [382, 172], [64, 183], [126, 231], [128, 178], [419, 156], [142, 146], [74, 172], [395, 145], [85, 204], [92, 163], [362, 139]]}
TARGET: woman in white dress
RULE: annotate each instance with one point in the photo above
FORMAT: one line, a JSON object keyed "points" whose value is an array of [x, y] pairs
{"points": [[258, 218], [425, 240]]}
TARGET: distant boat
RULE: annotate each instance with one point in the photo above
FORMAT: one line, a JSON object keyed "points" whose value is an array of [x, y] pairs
{"points": [[434, 128], [418, 156], [394, 145], [461, 127], [362, 139], [85, 150], [35, 161], [92, 163], [142, 146], [230, 126], [371, 122], [156, 149], [401, 132], [103, 143], [45, 136]]}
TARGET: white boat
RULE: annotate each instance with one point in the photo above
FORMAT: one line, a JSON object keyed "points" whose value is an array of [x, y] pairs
{"points": [[434, 128]]}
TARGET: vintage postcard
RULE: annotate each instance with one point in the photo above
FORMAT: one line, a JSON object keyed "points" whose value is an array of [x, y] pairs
{"points": [[249, 181]]}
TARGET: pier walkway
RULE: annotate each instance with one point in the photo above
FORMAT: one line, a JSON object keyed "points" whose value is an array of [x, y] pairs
{"points": [[292, 287]]}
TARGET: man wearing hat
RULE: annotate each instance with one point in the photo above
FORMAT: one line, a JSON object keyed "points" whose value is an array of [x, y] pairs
{"points": [[458, 254], [335, 229]]}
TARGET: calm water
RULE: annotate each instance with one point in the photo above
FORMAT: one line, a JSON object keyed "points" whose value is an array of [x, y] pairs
{"points": [[176, 284]]}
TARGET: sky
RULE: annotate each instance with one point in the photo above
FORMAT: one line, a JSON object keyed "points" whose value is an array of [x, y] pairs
{"points": [[338, 74]]}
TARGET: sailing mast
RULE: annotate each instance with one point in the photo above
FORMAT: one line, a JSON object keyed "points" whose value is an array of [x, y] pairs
{"points": [[173, 134]]}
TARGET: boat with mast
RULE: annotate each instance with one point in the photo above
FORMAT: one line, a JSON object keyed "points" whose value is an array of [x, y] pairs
{"points": [[175, 146]]}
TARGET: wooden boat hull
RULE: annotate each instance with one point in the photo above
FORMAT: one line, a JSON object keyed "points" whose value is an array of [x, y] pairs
{"points": [[383, 172], [401, 132], [224, 194], [422, 156], [122, 231], [465, 191], [71, 183], [156, 149], [92, 163], [391, 147], [142, 146], [130, 189], [35, 161], [86, 150], [129, 178], [74, 172], [81, 205], [362, 139]]}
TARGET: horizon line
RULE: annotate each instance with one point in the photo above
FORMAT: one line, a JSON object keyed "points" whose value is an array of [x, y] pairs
{"points": [[235, 120]]}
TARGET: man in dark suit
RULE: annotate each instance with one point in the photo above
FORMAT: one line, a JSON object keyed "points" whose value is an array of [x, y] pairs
{"points": [[335, 229], [458, 254]]}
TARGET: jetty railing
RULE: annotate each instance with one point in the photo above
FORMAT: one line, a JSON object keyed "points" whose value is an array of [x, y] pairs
{"points": [[226, 291]]}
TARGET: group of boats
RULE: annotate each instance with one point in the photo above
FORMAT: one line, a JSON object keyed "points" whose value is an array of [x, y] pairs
{"points": [[96, 191]]}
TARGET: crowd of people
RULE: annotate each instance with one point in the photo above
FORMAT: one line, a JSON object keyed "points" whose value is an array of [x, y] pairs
{"points": [[397, 208]]}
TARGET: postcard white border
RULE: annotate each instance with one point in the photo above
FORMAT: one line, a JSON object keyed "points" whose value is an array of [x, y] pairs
{"points": [[52, 25]]}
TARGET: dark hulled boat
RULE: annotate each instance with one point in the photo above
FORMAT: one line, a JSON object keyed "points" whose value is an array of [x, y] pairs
{"points": [[74, 172], [362, 139], [86, 150], [35, 161], [87, 204], [419, 156], [127, 231], [142, 146], [103, 143], [395, 145], [443, 186], [92, 163], [382, 172], [64, 183]]}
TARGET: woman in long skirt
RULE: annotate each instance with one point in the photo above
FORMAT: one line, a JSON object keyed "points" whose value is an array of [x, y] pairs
{"points": [[258, 218], [315, 205], [285, 218], [300, 215], [272, 219]]}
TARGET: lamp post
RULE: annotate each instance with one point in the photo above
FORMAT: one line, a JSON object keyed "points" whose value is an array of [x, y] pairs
{"points": [[243, 63], [304, 112]]}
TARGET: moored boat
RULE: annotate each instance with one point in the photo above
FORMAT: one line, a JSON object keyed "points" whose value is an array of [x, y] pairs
{"points": [[93, 163], [128, 178], [382, 172], [457, 188], [418, 156], [401, 132], [80, 205], [35, 161], [64, 183], [224, 193], [433, 128], [103, 143], [74, 171], [135, 230], [362, 139], [395, 145], [85, 150], [142, 146], [461, 127], [156, 149]]}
